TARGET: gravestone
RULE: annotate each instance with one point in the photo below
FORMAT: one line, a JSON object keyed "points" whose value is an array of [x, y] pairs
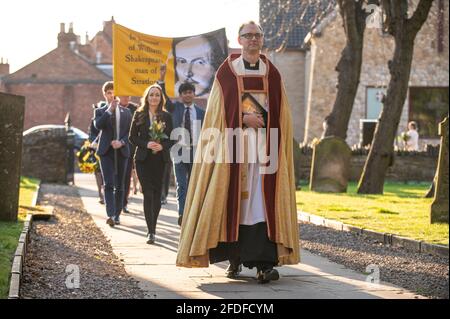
{"points": [[12, 111], [439, 207], [330, 169], [44, 154]]}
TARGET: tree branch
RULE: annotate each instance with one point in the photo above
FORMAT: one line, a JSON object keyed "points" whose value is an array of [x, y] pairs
{"points": [[419, 17]]}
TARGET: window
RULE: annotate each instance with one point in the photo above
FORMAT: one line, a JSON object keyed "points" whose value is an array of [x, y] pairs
{"points": [[428, 106], [374, 103]]}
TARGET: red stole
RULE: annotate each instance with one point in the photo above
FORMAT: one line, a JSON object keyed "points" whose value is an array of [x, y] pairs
{"points": [[233, 86]]}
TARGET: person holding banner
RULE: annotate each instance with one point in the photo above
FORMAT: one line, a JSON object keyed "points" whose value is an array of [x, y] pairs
{"points": [[150, 133], [240, 211], [113, 122], [125, 101], [188, 116], [108, 94]]}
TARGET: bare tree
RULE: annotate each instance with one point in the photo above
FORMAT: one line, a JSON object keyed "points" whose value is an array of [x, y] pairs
{"points": [[290, 14], [354, 16], [404, 29]]}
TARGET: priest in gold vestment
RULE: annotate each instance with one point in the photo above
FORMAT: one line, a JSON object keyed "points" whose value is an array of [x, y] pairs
{"points": [[241, 210]]}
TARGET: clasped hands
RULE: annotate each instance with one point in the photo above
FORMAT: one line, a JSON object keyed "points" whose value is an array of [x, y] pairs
{"points": [[116, 144], [154, 146]]}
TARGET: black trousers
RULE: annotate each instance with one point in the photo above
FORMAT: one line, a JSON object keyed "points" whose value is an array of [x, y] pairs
{"points": [[114, 181], [150, 174], [152, 207], [127, 182], [253, 249]]}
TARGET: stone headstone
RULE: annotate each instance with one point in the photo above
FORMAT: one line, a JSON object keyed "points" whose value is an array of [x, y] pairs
{"points": [[439, 207], [330, 169], [44, 154], [12, 111]]}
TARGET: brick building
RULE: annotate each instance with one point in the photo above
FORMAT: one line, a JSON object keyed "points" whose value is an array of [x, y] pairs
{"points": [[311, 53], [67, 79]]}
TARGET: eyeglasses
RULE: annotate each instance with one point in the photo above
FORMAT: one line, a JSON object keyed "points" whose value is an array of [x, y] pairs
{"points": [[250, 36]]}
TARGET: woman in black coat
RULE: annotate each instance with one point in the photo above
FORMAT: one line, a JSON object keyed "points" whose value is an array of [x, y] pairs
{"points": [[151, 156]]}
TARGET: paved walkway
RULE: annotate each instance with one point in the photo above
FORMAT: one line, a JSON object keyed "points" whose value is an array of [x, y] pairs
{"points": [[154, 265]]}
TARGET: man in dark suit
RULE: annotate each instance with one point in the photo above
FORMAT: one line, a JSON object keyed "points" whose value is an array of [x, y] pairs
{"points": [[125, 102], [187, 115], [113, 122], [108, 94]]}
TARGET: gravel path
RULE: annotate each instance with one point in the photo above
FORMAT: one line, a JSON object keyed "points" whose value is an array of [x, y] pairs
{"points": [[72, 238], [425, 274]]}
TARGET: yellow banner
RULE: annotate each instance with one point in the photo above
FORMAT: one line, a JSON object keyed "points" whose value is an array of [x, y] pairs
{"points": [[137, 58]]}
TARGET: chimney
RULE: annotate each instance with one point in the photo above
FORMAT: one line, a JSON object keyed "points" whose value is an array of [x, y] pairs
{"points": [[62, 28], [107, 27], [4, 68], [87, 38], [64, 38]]}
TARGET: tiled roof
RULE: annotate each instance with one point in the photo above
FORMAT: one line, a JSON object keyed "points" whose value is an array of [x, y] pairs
{"points": [[286, 25], [59, 65]]}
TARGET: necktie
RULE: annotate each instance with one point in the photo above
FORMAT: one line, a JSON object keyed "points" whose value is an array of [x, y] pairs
{"points": [[187, 123]]}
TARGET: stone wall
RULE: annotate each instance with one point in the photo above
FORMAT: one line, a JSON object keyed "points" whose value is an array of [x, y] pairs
{"points": [[44, 155], [292, 66], [412, 167], [430, 68]]}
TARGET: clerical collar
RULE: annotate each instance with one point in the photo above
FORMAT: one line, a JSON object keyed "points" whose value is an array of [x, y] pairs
{"points": [[251, 66]]}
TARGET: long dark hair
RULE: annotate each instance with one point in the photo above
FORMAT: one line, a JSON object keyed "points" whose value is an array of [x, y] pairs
{"points": [[143, 110]]}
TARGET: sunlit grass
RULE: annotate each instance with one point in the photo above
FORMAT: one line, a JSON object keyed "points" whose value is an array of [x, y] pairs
{"points": [[402, 210]]}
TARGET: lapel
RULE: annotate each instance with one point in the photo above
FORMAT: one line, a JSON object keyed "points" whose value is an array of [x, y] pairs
{"points": [[147, 125]]}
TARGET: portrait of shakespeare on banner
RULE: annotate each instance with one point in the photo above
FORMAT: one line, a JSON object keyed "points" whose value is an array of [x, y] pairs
{"points": [[197, 59]]}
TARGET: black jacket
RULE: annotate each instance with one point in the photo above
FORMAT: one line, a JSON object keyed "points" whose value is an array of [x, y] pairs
{"points": [[139, 135]]}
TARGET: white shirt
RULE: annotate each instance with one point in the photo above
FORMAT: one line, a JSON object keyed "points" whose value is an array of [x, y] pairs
{"points": [[118, 122], [413, 143]]}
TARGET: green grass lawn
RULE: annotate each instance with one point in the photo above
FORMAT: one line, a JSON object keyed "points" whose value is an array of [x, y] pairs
{"points": [[402, 210], [10, 232]]}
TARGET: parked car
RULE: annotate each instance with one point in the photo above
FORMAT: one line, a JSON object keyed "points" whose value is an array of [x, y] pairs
{"points": [[80, 136]]}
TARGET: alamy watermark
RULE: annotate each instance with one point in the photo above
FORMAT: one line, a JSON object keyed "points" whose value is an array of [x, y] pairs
{"points": [[373, 272], [73, 277], [228, 146]]}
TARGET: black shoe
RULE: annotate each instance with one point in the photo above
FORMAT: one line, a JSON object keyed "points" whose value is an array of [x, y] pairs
{"points": [[101, 201], [151, 239], [233, 271], [117, 221], [125, 210], [265, 276], [110, 222], [180, 220]]}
